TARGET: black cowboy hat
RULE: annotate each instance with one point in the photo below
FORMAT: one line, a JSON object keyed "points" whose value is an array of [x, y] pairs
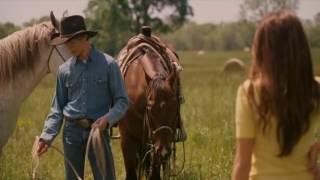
{"points": [[68, 28]]}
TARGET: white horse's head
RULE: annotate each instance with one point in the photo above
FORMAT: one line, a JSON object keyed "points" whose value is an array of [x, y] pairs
{"points": [[26, 57], [53, 55], [58, 54], [29, 53]]}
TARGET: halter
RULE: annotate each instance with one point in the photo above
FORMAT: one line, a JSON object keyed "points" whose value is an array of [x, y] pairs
{"points": [[50, 54]]}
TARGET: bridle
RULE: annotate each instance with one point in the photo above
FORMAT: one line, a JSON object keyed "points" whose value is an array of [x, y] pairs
{"points": [[152, 132], [54, 47], [148, 117]]}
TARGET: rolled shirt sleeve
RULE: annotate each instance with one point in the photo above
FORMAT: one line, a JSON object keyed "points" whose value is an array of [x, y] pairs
{"points": [[54, 120], [118, 93]]}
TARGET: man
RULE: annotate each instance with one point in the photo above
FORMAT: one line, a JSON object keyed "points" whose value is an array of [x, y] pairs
{"points": [[90, 93]]}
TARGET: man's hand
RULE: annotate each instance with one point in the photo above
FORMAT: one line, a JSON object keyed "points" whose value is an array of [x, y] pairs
{"points": [[100, 123], [42, 147]]}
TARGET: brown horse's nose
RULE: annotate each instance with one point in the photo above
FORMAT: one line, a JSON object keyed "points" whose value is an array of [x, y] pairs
{"points": [[163, 152]]}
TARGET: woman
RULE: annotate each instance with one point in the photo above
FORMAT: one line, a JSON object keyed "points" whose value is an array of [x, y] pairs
{"points": [[277, 108]]}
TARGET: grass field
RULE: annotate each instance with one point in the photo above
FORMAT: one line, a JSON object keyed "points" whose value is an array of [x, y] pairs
{"points": [[208, 114]]}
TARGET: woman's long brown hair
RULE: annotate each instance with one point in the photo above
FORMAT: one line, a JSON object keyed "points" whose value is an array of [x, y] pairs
{"points": [[288, 91]]}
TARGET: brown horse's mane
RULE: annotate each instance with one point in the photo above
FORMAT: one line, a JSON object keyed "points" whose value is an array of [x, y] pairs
{"points": [[156, 86]]}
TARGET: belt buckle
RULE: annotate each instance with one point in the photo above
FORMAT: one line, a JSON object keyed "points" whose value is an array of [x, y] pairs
{"points": [[84, 123]]}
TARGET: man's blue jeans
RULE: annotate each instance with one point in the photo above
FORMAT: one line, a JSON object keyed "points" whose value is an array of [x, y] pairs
{"points": [[74, 144]]}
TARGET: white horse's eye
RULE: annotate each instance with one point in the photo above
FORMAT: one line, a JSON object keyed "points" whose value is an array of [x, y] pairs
{"points": [[162, 104]]}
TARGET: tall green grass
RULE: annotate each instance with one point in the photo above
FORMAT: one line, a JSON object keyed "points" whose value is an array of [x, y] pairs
{"points": [[208, 114]]}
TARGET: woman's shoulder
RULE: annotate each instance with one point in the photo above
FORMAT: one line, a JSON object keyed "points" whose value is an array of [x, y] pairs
{"points": [[244, 86], [250, 88], [243, 90], [317, 78], [247, 84]]}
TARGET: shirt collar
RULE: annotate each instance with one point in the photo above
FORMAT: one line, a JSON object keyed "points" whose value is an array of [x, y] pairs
{"points": [[90, 57]]}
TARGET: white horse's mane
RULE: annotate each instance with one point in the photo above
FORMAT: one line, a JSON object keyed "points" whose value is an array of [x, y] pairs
{"points": [[19, 50]]}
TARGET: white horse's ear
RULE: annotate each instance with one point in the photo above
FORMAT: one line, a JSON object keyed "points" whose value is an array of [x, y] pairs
{"points": [[54, 21]]}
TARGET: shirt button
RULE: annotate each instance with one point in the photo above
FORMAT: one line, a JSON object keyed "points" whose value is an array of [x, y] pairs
{"points": [[84, 103]]}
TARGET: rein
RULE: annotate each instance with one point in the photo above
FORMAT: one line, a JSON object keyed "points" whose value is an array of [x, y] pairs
{"points": [[50, 54], [147, 116]]}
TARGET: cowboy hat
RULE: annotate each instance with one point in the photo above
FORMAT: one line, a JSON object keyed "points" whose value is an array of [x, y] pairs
{"points": [[68, 28]]}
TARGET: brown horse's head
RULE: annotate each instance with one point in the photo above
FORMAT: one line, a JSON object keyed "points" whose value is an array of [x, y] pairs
{"points": [[163, 112]]}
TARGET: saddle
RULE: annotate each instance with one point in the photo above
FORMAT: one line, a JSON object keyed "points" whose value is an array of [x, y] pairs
{"points": [[153, 46], [147, 49]]}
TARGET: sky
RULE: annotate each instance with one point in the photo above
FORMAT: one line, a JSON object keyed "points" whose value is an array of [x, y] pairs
{"points": [[205, 11]]}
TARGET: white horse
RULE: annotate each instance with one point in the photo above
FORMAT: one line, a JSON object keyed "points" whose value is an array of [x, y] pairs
{"points": [[26, 57]]}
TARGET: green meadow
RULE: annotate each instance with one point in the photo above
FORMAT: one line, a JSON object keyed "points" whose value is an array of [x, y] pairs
{"points": [[208, 113]]}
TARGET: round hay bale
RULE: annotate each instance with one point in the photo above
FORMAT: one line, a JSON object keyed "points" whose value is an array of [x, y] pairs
{"points": [[200, 53], [246, 49], [234, 65]]}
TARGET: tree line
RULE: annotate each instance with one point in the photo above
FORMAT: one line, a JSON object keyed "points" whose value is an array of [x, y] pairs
{"points": [[118, 20]]}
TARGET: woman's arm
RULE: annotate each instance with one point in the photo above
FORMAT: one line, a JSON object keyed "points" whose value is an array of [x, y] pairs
{"points": [[242, 161]]}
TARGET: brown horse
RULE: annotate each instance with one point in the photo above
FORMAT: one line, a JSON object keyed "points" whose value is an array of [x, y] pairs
{"points": [[148, 128]]}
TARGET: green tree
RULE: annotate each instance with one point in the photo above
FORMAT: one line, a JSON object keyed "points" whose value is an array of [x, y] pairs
{"points": [[34, 21], [317, 18], [117, 20], [7, 28], [254, 10], [313, 30], [223, 36]]}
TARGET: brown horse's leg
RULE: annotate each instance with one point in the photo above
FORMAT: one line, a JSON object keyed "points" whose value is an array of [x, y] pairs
{"points": [[129, 151]]}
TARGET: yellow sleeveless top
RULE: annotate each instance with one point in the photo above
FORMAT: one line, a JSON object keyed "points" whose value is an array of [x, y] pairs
{"points": [[265, 164]]}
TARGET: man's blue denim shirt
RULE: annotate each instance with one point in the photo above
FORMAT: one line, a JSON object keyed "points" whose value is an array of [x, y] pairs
{"points": [[87, 89]]}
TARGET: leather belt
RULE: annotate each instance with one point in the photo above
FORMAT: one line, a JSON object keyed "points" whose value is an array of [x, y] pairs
{"points": [[81, 122]]}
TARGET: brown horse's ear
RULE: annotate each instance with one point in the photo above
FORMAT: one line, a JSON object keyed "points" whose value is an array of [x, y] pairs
{"points": [[172, 76], [54, 21]]}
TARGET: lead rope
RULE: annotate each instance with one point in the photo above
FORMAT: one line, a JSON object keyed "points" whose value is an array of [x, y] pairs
{"points": [[36, 159], [97, 140], [94, 136]]}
